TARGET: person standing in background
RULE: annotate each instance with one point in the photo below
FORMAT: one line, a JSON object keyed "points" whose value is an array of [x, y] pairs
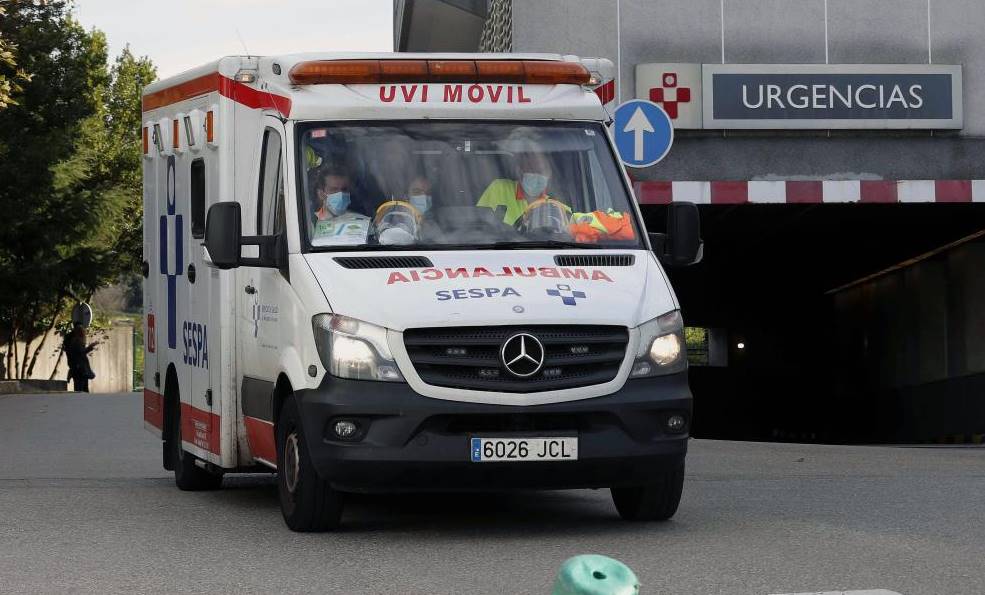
{"points": [[77, 354]]}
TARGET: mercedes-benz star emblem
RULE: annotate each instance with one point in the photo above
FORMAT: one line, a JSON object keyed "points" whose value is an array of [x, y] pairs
{"points": [[522, 355]]}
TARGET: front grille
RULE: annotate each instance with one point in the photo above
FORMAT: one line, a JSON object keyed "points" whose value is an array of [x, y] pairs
{"points": [[469, 357]]}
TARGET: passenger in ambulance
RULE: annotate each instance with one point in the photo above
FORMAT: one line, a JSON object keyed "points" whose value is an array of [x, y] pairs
{"points": [[511, 197], [397, 222], [333, 221], [419, 193]]}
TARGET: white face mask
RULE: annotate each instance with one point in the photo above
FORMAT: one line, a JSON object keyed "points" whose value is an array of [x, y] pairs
{"points": [[421, 202]]}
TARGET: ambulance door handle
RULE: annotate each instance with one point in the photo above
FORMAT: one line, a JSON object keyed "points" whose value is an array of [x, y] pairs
{"points": [[250, 289]]}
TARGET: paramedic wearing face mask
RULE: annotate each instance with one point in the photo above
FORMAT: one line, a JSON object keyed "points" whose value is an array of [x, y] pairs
{"points": [[334, 223], [515, 195], [419, 193]]}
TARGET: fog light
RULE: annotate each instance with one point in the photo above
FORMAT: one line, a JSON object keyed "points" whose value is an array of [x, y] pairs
{"points": [[388, 372], [345, 429], [676, 423], [641, 369]]}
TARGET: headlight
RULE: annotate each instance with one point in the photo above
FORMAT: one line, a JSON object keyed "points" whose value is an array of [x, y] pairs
{"points": [[350, 348], [662, 349]]}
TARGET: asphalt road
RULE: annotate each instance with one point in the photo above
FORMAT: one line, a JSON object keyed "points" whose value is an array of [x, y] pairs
{"points": [[86, 507]]}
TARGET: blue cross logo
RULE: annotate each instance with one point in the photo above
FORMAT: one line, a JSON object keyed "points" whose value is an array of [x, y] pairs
{"points": [[173, 221], [568, 296]]}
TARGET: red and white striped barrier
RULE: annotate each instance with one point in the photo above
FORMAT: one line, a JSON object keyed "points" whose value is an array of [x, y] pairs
{"points": [[811, 191]]}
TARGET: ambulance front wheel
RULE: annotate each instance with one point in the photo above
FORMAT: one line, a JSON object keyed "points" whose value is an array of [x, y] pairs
{"points": [[307, 501], [187, 474], [657, 501]]}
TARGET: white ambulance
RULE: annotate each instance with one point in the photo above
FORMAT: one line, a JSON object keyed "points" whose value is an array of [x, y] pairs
{"points": [[388, 272]]}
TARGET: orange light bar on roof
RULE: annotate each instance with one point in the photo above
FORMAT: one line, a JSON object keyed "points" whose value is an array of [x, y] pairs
{"points": [[353, 72], [506, 71], [452, 71], [399, 71]]}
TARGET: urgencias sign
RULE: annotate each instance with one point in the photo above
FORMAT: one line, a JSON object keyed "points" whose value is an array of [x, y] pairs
{"points": [[831, 96]]}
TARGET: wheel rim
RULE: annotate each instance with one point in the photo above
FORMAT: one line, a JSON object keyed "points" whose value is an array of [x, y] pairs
{"points": [[292, 462]]}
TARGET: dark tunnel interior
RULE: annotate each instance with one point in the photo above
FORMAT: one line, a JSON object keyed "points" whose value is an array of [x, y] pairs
{"points": [[834, 347]]}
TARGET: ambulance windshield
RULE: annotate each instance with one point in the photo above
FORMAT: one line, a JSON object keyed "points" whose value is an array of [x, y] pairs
{"points": [[448, 184]]}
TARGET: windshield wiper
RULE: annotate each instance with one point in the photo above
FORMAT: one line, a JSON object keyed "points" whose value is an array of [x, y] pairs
{"points": [[535, 244]]}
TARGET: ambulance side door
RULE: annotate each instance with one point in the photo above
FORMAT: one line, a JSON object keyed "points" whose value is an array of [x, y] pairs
{"points": [[263, 291], [198, 340]]}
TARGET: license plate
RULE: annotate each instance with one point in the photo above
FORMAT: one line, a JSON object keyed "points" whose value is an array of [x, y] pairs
{"points": [[485, 450]]}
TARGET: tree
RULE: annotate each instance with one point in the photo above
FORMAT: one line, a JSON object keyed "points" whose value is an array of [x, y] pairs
{"points": [[128, 78], [10, 76], [69, 172]]}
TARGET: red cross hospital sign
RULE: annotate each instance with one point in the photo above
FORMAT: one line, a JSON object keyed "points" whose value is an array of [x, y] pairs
{"points": [[676, 88]]}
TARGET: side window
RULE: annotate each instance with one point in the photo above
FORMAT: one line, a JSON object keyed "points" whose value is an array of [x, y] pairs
{"points": [[270, 203], [198, 198]]}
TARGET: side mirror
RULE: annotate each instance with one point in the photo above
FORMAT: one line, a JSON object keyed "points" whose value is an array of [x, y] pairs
{"points": [[681, 245], [224, 234]]}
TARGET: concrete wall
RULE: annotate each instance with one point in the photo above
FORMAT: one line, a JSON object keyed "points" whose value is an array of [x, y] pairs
{"points": [[783, 31], [112, 361]]}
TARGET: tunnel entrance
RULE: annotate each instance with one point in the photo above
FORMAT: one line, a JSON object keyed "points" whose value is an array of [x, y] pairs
{"points": [[840, 323]]}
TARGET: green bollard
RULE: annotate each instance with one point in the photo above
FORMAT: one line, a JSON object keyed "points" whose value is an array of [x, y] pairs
{"points": [[591, 574]]}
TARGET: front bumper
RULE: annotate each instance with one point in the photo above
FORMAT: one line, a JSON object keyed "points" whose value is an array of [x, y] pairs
{"points": [[412, 442]]}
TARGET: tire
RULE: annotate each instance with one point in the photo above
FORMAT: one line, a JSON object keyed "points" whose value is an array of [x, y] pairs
{"points": [[657, 501], [307, 501], [187, 475]]}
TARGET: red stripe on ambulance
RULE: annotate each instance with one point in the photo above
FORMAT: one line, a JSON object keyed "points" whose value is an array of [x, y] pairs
{"points": [[260, 434], [200, 427], [235, 90], [154, 409]]}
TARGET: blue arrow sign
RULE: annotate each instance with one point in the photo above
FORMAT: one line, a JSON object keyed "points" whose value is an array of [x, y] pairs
{"points": [[643, 133]]}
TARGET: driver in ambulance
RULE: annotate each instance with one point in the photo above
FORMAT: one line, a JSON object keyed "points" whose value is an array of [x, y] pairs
{"points": [[333, 222], [513, 196]]}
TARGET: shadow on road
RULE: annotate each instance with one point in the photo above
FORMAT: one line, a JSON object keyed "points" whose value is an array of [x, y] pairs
{"points": [[494, 514]]}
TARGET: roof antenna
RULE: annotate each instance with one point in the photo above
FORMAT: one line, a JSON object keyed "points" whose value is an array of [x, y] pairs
{"points": [[245, 49], [252, 79]]}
